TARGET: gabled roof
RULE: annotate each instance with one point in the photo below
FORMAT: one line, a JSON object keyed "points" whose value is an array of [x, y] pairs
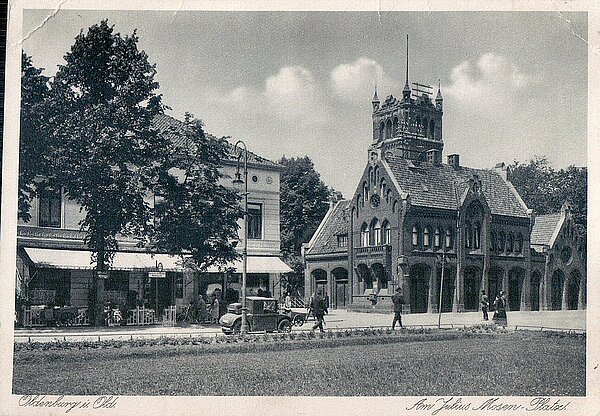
{"points": [[441, 186], [544, 228], [171, 128], [325, 239]]}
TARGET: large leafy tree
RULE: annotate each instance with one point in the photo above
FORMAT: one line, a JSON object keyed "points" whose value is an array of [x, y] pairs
{"points": [[545, 190], [195, 213], [304, 202], [105, 150], [34, 150]]}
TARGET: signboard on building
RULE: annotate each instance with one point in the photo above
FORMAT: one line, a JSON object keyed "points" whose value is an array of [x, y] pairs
{"points": [[157, 275], [102, 275]]}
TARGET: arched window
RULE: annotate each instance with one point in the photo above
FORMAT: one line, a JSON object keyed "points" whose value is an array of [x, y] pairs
{"points": [[468, 235], [376, 178], [365, 194], [387, 233], [477, 236], [449, 239], [388, 129], [364, 235], [387, 195], [375, 232], [510, 244], [493, 241], [426, 241], [383, 188], [437, 237], [417, 123], [371, 177], [381, 131], [501, 241], [395, 126], [415, 236], [425, 127], [395, 206], [432, 130], [519, 244]]}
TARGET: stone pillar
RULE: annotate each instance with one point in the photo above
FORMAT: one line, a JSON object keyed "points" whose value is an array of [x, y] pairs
{"points": [[330, 284], [459, 290], [505, 288], [565, 292], [546, 287], [406, 290], [526, 290]]}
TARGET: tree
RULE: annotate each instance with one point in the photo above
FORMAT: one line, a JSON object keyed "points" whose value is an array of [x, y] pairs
{"points": [[34, 150], [303, 204], [195, 213], [101, 107], [545, 190]]}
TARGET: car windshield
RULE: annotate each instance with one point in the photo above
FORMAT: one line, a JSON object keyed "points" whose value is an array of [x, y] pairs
{"points": [[270, 306]]}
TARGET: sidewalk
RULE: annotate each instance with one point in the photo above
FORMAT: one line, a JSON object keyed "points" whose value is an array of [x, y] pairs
{"points": [[336, 319]]}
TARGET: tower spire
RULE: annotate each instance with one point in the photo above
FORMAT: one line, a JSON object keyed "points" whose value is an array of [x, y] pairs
{"points": [[375, 101], [406, 91]]}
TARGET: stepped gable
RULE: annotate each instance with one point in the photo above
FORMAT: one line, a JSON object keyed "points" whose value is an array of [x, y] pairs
{"points": [[442, 185], [335, 224], [171, 128], [544, 228]]}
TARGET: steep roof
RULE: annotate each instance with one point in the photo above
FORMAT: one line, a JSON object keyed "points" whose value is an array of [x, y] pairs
{"points": [[325, 239], [171, 128], [441, 186], [544, 227]]}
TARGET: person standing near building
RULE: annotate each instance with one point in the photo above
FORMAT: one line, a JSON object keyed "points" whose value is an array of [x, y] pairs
{"points": [[500, 310], [484, 304], [326, 303], [397, 301], [287, 304], [317, 307]]}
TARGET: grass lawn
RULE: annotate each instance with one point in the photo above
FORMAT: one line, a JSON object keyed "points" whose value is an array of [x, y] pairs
{"points": [[519, 363]]}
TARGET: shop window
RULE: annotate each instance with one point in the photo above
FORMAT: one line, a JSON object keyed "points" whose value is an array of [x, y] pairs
{"points": [[255, 216], [50, 208]]}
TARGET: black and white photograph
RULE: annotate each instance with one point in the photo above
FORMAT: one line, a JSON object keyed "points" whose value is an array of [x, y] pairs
{"points": [[321, 208]]}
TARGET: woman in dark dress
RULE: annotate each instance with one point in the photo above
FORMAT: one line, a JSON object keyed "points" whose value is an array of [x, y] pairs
{"points": [[500, 310]]}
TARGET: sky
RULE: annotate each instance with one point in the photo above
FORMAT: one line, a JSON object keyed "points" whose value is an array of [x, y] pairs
{"points": [[300, 83]]}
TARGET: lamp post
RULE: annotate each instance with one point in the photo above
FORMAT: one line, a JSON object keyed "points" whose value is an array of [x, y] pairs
{"points": [[237, 182]]}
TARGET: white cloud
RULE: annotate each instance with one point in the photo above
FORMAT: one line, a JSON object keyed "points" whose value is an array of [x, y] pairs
{"points": [[355, 81], [490, 83]]}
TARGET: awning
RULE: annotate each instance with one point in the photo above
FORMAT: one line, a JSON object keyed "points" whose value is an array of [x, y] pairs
{"points": [[258, 264], [82, 259]]}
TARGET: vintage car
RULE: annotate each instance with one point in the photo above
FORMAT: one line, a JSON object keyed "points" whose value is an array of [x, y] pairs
{"points": [[262, 315]]}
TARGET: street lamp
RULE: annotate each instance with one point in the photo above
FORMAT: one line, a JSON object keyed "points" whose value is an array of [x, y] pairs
{"points": [[237, 183]]}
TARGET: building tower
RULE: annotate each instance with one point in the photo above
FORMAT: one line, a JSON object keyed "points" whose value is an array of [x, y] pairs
{"points": [[410, 127]]}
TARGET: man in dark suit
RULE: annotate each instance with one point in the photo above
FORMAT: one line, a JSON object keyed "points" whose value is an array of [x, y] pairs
{"points": [[317, 307], [397, 301]]}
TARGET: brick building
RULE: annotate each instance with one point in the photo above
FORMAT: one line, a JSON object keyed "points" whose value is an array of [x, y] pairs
{"points": [[413, 220]]}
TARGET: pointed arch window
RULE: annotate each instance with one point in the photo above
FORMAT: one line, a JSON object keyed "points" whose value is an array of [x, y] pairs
{"points": [[493, 241], [449, 239], [501, 242], [381, 131], [426, 233], [364, 235], [519, 244], [375, 232], [510, 244], [365, 193], [437, 237], [468, 235], [415, 236], [387, 233], [477, 236]]}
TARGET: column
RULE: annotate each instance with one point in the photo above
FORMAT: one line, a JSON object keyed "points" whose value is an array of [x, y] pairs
{"points": [[458, 305], [546, 287], [565, 292], [433, 291], [406, 290], [505, 288]]}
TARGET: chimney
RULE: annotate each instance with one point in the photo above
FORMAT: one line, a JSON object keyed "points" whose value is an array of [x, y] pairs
{"points": [[454, 161], [434, 157]]}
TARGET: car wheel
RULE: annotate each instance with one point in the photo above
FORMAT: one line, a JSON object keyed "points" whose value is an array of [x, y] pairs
{"points": [[237, 327], [298, 320], [284, 326]]}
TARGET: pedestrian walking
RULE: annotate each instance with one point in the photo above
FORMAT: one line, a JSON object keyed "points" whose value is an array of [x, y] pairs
{"points": [[500, 310], [484, 304], [318, 308], [397, 301], [214, 309], [326, 303]]}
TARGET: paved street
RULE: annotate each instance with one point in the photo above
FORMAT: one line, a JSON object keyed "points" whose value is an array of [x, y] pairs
{"points": [[575, 320]]}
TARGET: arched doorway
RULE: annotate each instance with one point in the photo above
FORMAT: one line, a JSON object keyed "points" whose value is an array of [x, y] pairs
{"points": [[448, 289], [573, 290], [472, 279], [342, 291], [320, 278], [380, 278], [536, 279], [419, 288], [556, 289], [516, 277], [494, 284]]}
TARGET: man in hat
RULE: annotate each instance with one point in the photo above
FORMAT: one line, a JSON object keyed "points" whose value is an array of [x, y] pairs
{"points": [[484, 301], [397, 301], [317, 306]]}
